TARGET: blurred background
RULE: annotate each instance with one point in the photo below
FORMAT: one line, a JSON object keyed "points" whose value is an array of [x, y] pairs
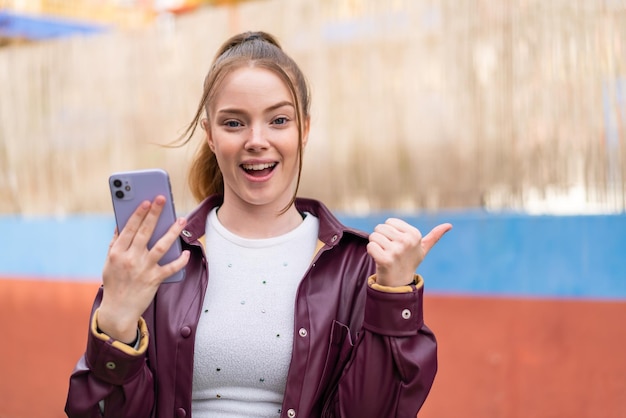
{"points": [[505, 118]]}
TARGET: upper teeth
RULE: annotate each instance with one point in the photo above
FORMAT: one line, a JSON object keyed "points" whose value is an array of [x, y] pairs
{"points": [[258, 166]]}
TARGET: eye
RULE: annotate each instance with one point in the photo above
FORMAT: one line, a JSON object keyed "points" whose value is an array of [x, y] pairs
{"points": [[232, 123], [281, 120]]}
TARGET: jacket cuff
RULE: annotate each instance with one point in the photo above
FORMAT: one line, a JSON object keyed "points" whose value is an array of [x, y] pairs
{"points": [[111, 360], [395, 314], [418, 281]]}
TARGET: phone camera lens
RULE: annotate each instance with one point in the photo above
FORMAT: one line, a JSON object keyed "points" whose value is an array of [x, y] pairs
{"points": [[119, 194], [117, 183]]}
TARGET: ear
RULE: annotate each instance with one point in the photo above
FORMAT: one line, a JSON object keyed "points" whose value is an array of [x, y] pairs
{"points": [[305, 131], [207, 129]]}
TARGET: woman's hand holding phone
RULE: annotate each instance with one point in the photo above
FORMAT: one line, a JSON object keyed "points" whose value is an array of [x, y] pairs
{"points": [[131, 274]]}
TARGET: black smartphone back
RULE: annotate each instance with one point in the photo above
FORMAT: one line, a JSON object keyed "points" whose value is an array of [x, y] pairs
{"points": [[129, 189]]}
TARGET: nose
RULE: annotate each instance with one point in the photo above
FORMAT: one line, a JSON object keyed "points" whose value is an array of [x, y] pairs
{"points": [[256, 140]]}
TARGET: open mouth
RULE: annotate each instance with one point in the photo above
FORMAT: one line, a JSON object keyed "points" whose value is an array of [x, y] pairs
{"points": [[258, 170]]}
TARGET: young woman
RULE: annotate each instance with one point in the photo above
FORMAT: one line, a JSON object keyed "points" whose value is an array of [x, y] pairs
{"points": [[283, 312]]}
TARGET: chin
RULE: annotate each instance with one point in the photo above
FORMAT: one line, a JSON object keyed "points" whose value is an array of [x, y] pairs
{"points": [[264, 199]]}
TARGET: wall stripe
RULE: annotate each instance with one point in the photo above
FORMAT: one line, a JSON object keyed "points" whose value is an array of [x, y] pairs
{"points": [[524, 256], [485, 254]]}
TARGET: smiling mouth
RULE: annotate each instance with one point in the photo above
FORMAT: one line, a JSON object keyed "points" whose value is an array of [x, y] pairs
{"points": [[258, 170]]}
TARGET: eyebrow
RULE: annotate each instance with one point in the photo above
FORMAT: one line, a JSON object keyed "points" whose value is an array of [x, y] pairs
{"points": [[269, 109]]}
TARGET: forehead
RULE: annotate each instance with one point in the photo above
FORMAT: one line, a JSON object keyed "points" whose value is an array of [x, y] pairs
{"points": [[251, 86]]}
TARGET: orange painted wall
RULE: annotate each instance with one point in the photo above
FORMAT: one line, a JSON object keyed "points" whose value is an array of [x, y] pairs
{"points": [[499, 358], [516, 358], [43, 327]]}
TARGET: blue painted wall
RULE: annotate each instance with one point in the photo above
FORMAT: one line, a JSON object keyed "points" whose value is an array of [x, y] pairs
{"points": [[72, 248], [522, 255], [484, 254]]}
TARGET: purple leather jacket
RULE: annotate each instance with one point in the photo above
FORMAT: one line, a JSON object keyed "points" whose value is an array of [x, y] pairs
{"points": [[357, 351]]}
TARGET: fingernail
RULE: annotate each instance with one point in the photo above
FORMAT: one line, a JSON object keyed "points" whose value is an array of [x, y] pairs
{"points": [[182, 221]]}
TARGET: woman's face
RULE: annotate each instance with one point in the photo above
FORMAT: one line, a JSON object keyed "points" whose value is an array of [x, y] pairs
{"points": [[254, 135]]}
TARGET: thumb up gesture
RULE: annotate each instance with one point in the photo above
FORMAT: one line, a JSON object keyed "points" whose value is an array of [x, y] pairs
{"points": [[398, 248]]}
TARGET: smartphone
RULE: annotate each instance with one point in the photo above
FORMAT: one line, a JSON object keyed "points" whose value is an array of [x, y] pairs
{"points": [[129, 189]]}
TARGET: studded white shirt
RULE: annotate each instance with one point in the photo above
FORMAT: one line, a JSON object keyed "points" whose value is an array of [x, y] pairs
{"points": [[244, 337]]}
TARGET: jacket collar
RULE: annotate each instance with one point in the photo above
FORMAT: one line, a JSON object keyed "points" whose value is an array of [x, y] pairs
{"points": [[330, 233]]}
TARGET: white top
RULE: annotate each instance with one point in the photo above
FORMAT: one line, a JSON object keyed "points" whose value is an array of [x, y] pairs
{"points": [[245, 332]]}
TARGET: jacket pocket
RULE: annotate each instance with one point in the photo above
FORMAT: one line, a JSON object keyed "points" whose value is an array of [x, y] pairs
{"points": [[339, 350]]}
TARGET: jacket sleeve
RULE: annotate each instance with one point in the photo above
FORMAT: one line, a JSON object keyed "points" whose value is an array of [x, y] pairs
{"points": [[394, 359], [111, 379]]}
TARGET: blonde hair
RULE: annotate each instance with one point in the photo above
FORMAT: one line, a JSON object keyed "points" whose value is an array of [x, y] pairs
{"points": [[255, 49]]}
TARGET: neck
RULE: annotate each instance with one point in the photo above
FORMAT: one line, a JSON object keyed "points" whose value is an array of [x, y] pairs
{"points": [[258, 222]]}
